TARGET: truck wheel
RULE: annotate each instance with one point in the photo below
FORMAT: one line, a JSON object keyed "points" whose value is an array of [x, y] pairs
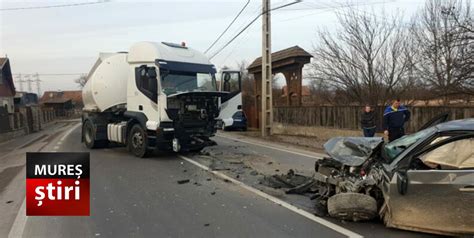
{"points": [[138, 141], [88, 134], [352, 206]]}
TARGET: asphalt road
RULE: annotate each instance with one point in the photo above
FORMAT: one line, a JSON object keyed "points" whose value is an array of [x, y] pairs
{"points": [[132, 197]]}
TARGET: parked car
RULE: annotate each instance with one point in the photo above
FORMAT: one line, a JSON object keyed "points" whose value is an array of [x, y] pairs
{"points": [[421, 182], [237, 122]]}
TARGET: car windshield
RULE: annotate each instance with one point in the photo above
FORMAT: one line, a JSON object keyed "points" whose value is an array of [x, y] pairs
{"points": [[393, 149], [176, 81]]}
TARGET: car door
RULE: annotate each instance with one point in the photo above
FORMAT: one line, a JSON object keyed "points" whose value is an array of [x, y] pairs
{"points": [[435, 200]]}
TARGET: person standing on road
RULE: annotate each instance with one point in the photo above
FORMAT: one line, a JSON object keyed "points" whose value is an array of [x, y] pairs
{"points": [[367, 121], [394, 118]]}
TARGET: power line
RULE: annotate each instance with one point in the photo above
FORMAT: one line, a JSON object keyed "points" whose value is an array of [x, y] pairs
{"points": [[239, 41], [325, 8], [232, 22], [53, 6], [249, 24], [59, 74]]}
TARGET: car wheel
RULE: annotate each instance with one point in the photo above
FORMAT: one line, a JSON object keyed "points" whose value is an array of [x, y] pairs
{"points": [[352, 206], [88, 135], [138, 141]]}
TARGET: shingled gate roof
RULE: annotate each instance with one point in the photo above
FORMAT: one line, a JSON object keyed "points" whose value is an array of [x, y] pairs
{"points": [[291, 52]]}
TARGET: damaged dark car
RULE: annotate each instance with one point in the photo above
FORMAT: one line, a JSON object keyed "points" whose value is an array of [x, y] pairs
{"points": [[421, 182]]}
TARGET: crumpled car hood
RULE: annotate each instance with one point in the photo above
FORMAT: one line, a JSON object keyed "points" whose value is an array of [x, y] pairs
{"points": [[352, 151]]}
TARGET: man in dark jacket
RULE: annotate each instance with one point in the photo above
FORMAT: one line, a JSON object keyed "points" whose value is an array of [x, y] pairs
{"points": [[367, 121], [394, 118]]}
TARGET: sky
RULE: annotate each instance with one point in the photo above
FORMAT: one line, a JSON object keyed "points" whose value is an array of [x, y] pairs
{"points": [[67, 40]]}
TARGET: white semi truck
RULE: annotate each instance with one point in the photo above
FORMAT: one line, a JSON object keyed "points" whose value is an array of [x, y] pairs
{"points": [[156, 96]]}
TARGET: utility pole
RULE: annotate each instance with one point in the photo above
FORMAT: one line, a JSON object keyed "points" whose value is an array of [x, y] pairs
{"points": [[38, 82], [29, 81], [266, 96], [20, 81]]}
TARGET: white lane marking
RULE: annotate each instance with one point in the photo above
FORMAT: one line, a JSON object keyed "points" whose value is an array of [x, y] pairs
{"points": [[21, 219], [56, 147], [69, 131], [59, 143], [320, 156], [19, 223], [284, 204]]}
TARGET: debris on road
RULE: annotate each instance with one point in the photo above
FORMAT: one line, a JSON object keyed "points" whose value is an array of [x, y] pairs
{"points": [[183, 181], [292, 183]]}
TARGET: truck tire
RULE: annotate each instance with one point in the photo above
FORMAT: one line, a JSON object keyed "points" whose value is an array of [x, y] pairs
{"points": [[88, 135], [352, 206], [137, 142]]}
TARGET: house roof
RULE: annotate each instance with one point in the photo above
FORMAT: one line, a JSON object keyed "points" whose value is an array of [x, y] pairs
{"points": [[3, 61], [56, 101], [62, 96], [291, 52], [7, 89]]}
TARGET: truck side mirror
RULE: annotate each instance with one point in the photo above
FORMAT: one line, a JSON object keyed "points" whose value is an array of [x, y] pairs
{"points": [[402, 182]]}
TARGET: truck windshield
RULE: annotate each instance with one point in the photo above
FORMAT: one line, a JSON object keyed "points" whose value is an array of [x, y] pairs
{"points": [[176, 81]]}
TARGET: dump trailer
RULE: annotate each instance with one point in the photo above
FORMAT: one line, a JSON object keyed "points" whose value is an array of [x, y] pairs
{"points": [[157, 96]]}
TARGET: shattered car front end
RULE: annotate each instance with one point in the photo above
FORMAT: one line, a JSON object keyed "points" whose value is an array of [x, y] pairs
{"points": [[349, 171], [421, 182]]}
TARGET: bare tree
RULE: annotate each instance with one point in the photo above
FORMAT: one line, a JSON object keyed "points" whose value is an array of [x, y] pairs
{"points": [[444, 38], [248, 85], [321, 93], [367, 59], [81, 81]]}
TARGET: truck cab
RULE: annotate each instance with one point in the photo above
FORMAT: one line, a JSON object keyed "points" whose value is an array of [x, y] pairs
{"points": [[157, 96], [231, 114]]}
